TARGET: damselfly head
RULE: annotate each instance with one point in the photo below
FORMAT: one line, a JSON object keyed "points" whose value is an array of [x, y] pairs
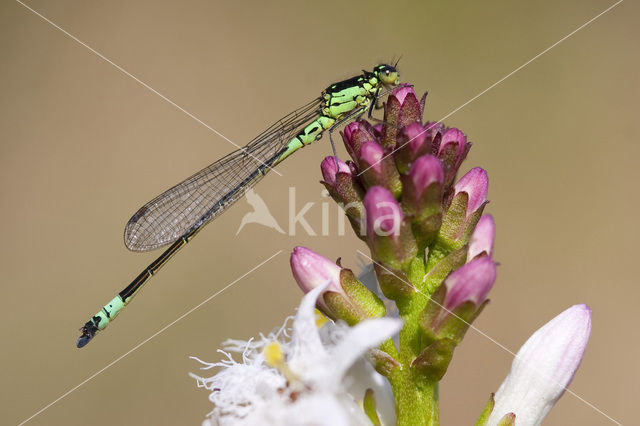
{"points": [[387, 74]]}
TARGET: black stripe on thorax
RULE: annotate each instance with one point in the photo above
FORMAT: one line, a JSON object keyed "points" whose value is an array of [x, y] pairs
{"points": [[345, 84]]}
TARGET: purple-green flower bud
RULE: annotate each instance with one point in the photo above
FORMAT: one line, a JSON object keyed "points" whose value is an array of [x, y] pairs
{"points": [[425, 178], [425, 171], [344, 188], [378, 169], [435, 130], [371, 157], [458, 301], [452, 151], [345, 297], [476, 185], [384, 215], [355, 135], [312, 270], [481, 240], [471, 283], [422, 198], [417, 140], [330, 167], [388, 236], [464, 211], [402, 92], [402, 109]]}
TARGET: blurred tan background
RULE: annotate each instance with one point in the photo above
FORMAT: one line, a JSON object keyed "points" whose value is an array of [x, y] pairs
{"points": [[83, 146]]}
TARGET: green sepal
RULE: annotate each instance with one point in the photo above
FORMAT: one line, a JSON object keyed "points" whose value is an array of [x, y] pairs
{"points": [[421, 206], [423, 102], [341, 308], [437, 323], [424, 210], [369, 406], [348, 193], [396, 251], [445, 324], [384, 363], [394, 284], [416, 270], [361, 296], [472, 318], [391, 176], [456, 228], [426, 230], [441, 268], [509, 419], [430, 315], [454, 217], [433, 361], [397, 116], [486, 412], [391, 119], [470, 225], [410, 112], [451, 160], [349, 189]]}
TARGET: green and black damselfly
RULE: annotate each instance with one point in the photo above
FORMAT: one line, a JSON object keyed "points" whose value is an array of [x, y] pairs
{"points": [[178, 214]]}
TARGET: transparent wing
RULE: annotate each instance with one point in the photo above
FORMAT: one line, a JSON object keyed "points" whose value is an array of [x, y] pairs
{"points": [[206, 194]]}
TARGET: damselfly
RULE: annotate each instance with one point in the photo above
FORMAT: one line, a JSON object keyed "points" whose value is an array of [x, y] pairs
{"points": [[178, 214]]}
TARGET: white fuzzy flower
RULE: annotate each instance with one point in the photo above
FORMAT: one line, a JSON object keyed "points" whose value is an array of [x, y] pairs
{"points": [[543, 368], [312, 383]]}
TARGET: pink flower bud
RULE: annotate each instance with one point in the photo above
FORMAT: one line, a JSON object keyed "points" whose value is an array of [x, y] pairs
{"points": [[355, 134], [544, 367], [371, 154], [425, 171], [402, 92], [454, 140], [311, 270], [481, 240], [402, 108], [476, 184], [330, 170], [384, 215], [350, 129], [452, 150], [433, 128], [416, 136], [471, 282]]}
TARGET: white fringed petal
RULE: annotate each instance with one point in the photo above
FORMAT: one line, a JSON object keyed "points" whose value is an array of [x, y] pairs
{"points": [[252, 392]]}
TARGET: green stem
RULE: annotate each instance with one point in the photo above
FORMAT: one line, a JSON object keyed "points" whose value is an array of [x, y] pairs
{"points": [[416, 398]]}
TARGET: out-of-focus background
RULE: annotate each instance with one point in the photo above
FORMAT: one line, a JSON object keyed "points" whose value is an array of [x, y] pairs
{"points": [[82, 146]]}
